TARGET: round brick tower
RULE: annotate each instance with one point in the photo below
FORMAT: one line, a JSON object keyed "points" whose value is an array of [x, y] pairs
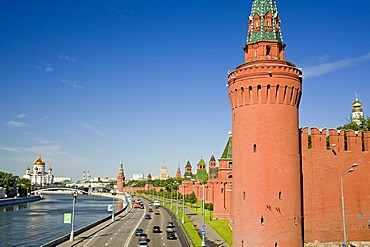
{"points": [[264, 94]]}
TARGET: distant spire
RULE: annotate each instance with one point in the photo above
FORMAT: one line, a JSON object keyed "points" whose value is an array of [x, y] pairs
{"points": [[264, 22]]}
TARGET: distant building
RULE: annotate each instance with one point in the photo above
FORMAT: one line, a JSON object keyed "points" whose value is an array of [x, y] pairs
{"points": [[61, 179], [39, 176], [163, 174], [138, 176], [178, 172], [357, 113], [120, 178]]}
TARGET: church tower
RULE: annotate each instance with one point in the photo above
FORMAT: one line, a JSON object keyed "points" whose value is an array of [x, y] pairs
{"points": [[357, 113], [264, 94], [120, 178]]}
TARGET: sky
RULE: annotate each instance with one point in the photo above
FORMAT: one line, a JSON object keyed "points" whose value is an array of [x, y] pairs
{"points": [[87, 84]]}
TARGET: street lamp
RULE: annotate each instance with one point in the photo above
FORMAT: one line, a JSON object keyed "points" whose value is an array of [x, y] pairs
{"points": [[183, 205], [203, 225], [351, 169], [74, 196], [114, 193], [177, 201], [203, 241]]}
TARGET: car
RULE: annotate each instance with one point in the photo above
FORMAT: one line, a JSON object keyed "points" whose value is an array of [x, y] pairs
{"points": [[156, 204], [170, 223], [170, 229], [150, 204], [143, 236], [147, 217], [156, 212], [171, 235], [157, 229], [138, 231], [141, 206], [141, 243], [150, 210]]}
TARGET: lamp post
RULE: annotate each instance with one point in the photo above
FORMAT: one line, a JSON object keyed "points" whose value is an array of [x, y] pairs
{"points": [[183, 205], [351, 169], [74, 196], [171, 196], [177, 202], [114, 193], [203, 223]]}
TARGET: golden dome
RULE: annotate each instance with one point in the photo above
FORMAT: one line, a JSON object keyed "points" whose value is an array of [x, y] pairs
{"points": [[39, 161], [50, 169], [28, 168], [36, 168]]}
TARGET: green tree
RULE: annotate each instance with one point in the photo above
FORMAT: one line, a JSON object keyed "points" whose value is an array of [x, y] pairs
{"points": [[24, 185], [350, 125], [8, 181]]}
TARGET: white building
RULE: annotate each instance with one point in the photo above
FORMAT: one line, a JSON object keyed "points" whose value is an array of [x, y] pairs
{"points": [[137, 176], [163, 174], [61, 179], [39, 176]]}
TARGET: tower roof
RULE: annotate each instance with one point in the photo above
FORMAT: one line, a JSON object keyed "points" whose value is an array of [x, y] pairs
{"points": [[201, 162], [188, 164], [39, 161], [264, 21], [357, 105], [212, 158], [227, 154]]}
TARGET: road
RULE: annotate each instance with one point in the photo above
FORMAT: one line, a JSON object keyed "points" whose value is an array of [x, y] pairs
{"points": [[121, 232]]}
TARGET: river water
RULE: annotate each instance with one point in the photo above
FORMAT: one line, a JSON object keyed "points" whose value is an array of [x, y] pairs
{"points": [[36, 223]]}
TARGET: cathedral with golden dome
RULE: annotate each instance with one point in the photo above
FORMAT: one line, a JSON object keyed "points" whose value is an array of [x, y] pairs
{"points": [[39, 176]]}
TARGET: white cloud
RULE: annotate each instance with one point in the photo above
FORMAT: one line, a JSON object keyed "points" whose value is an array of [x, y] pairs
{"points": [[21, 115], [49, 69], [70, 83], [15, 124], [326, 68], [67, 58]]}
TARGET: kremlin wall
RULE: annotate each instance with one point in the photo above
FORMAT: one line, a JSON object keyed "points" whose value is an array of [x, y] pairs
{"points": [[277, 184]]}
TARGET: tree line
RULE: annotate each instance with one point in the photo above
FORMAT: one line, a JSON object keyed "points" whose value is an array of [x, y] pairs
{"points": [[13, 184]]}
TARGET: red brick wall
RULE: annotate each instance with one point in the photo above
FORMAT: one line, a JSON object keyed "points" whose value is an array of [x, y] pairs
{"points": [[322, 170]]}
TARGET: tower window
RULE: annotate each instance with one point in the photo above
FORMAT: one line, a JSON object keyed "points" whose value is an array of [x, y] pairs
{"points": [[262, 220], [243, 195], [254, 148], [268, 50], [279, 195], [222, 190], [276, 244]]}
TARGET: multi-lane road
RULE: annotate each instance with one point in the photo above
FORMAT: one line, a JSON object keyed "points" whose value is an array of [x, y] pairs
{"points": [[121, 232]]}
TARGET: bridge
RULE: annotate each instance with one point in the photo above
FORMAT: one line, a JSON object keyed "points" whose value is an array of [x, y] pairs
{"points": [[57, 190]]}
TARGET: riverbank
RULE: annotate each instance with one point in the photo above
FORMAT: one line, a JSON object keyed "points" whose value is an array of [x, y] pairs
{"points": [[18, 200]]}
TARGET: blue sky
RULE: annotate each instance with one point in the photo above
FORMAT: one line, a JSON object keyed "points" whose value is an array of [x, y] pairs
{"points": [[88, 83]]}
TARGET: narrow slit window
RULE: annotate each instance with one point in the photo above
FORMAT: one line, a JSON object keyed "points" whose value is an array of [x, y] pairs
{"points": [[262, 220], [254, 148], [268, 50], [279, 195], [244, 195]]}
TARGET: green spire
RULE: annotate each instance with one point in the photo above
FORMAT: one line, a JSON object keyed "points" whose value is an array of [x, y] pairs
{"points": [[227, 154], [264, 22]]}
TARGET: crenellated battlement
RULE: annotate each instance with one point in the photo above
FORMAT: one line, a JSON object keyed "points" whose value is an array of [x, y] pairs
{"points": [[336, 140], [265, 94]]}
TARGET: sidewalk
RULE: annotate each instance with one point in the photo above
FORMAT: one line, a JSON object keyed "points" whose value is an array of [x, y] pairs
{"points": [[212, 238]]}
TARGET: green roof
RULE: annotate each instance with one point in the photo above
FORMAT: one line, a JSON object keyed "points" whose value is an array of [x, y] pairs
{"points": [[261, 8], [212, 158], [227, 154], [188, 164], [201, 162]]}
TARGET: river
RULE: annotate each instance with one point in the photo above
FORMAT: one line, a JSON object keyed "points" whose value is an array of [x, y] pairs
{"points": [[36, 223]]}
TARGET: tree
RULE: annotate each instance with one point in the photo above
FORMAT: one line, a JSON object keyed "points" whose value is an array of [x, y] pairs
{"points": [[8, 181], [24, 185], [350, 125]]}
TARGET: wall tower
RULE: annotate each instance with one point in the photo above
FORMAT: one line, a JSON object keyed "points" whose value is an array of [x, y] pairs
{"points": [[120, 178], [264, 94]]}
